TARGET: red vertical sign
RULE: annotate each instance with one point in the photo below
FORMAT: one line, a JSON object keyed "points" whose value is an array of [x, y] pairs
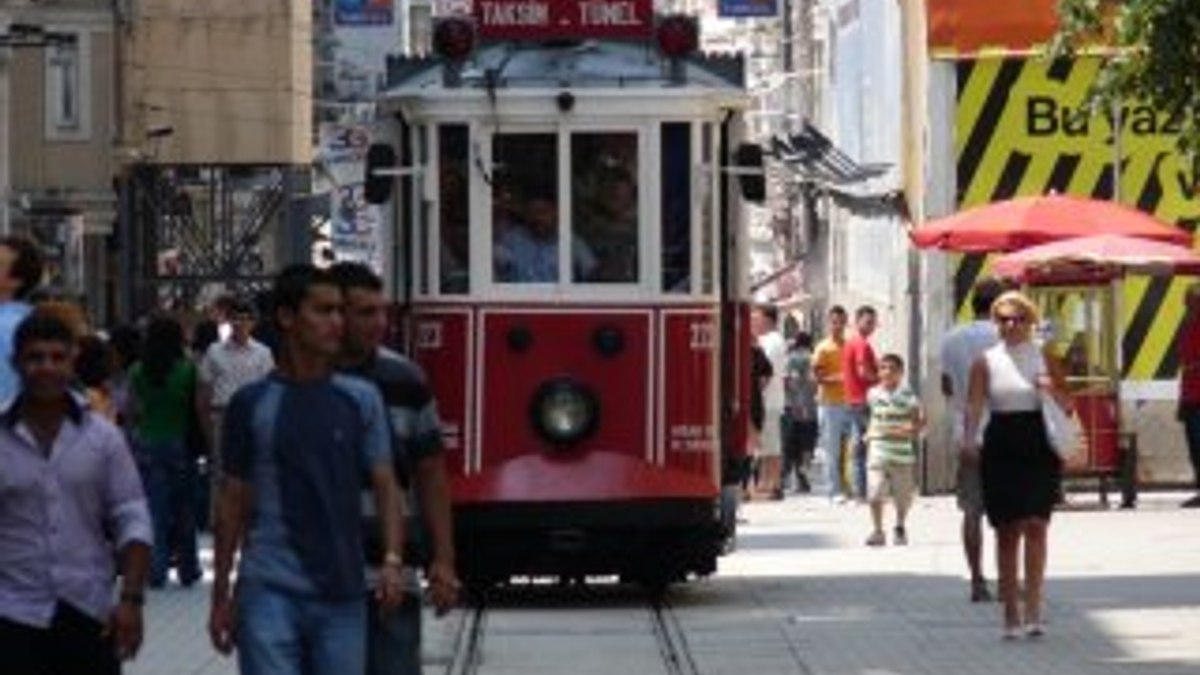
{"points": [[689, 423], [442, 347]]}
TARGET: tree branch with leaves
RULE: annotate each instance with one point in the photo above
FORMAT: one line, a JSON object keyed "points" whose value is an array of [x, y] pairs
{"points": [[1151, 51]]}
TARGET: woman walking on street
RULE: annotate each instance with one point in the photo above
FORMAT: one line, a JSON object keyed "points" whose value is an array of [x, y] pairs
{"points": [[1020, 471], [162, 383]]}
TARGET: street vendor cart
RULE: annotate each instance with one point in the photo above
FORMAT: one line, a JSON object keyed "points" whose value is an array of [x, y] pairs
{"points": [[1079, 320], [1071, 253], [1076, 284]]}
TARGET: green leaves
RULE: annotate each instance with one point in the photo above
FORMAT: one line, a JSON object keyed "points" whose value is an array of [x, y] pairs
{"points": [[1153, 54]]}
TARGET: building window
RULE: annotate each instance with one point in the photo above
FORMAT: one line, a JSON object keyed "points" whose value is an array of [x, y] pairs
{"points": [[420, 28], [68, 89]]}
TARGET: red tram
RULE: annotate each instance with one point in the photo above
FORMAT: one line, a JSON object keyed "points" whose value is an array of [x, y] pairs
{"points": [[576, 288]]}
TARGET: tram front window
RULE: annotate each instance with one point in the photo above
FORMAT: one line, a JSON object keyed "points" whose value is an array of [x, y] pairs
{"points": [[604, 210], [525, 208]]}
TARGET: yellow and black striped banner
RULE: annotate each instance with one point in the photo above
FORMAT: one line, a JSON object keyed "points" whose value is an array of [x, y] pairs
{"points": [[1018, 132]]}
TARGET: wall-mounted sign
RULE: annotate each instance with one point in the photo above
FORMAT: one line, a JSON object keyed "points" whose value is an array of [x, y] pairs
{"points": [[363, 12], [747, 8], [563, 19]]}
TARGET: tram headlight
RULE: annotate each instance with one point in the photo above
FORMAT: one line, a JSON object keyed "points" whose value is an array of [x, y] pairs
{"points": [[564, 411]]}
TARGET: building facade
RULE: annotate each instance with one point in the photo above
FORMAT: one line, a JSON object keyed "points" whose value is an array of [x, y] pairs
{"points": [[58, 117], [216, 131]]}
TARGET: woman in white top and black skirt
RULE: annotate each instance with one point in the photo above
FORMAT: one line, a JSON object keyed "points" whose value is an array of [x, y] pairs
{"points": [[1020, 471]]}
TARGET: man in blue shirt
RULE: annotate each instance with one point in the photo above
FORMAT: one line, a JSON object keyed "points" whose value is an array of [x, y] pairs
{"points": [[296, 446], [527, 251], [20, 274]]}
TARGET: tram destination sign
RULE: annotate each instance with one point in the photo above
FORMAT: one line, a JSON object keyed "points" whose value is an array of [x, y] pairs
{"points": [[563, 19]]}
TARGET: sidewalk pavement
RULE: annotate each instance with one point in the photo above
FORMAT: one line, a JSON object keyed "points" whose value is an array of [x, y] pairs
{"points": [[1123, 592], [802, 593]]}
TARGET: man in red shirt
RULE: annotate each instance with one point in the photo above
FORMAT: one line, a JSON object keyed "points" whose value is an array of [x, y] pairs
{"points": [[1189, 384], [859, 373]]}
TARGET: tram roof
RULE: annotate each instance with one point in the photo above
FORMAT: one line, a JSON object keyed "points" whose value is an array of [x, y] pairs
{"points": [[579, 65]]}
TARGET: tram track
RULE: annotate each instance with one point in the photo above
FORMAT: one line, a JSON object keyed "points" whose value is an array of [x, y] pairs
{"points": [[671, 639], [467, 654], [664, 630]]}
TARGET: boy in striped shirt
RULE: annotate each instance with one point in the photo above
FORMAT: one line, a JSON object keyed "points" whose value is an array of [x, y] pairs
{"points": [[896, 420]]}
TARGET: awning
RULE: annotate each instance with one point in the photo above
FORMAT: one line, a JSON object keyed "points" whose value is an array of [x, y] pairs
{"points": [[824, 170], [813, 155]]}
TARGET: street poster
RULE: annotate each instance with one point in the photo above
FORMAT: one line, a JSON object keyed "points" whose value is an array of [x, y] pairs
{"points": [[742, 9], [356, 226], [363, 12]]}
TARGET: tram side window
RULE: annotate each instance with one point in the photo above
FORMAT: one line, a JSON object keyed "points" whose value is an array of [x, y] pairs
{"points": [[421, 211], [525, 208], [676, 196], [706, 210], [604, 207], [454, 221]]}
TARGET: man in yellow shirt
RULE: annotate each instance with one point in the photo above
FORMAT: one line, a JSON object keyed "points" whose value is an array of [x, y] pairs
{"points": [[833, 415]]}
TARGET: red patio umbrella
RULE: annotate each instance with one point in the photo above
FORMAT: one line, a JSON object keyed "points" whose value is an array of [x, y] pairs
{"points": [[1029, 221], [1100, 255]]}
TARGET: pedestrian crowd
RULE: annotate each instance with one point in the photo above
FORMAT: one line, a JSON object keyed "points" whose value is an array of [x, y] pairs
{"points": [[313, 455], [840, 407], [856, 413]]}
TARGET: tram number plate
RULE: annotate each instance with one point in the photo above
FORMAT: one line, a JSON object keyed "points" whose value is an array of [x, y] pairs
{"points": [[429, 335], [703, 336]]}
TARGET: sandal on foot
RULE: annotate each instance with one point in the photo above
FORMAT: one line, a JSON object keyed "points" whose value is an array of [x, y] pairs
{"points": [[980, 592]]}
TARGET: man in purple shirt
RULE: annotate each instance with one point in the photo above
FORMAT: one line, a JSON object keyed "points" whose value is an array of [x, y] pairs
{"points": [[69, 496]]}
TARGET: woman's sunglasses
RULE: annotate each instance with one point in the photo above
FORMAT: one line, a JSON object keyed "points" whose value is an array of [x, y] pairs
{"points": [[1011, 319]]}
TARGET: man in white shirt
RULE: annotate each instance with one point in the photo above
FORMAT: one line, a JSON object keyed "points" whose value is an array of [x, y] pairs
{"points": [[765, 326], [961, 346], [227, 366]]}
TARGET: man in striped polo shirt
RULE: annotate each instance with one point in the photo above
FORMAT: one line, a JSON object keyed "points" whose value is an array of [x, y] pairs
{"points": [[896, 420]]}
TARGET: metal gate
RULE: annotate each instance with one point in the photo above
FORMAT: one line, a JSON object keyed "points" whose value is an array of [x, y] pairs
{"points": [[192, 232]]}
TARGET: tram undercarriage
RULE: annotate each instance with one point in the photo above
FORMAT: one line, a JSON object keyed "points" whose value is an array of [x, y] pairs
{"points": [[653, 542]]}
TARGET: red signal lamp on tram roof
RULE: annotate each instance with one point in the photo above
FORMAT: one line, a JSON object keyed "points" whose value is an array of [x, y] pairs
{"points": [[454, 38], [678, 36]]}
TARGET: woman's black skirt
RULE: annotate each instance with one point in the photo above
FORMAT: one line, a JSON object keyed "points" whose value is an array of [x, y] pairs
{"points": [[1021, 472]]}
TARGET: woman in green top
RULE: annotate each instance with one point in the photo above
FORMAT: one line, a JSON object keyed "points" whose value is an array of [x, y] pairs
{"points": [[162, 382]]}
